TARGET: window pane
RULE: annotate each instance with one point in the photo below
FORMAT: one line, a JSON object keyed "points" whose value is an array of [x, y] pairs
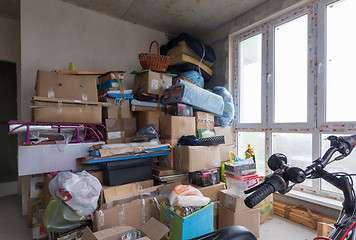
{"points": [[250, 79], [291, 61], [297, 147], [347, 164], [257, 142], [340, 66]]}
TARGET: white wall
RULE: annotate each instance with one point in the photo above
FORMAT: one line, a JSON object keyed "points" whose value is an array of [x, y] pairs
{"points": [[54, 33]]}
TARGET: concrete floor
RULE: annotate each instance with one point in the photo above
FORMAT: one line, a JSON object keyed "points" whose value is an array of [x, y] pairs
{"points": [[14, 226]]}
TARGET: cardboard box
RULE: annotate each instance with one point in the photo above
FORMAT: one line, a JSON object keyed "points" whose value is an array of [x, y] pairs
{"points": [[249, 219], [213, 191], [125, 124], [112, 75], [76, 87], [117, 111], [131, 211], [168, 161], [196, 224], [224, 151], [266, 209], [227, 132], [115, 137], [195, 158], [174, 127], [233, 211], [152, 229], [204, 120], [39, 231], [149, 117], [151, 82], [58, 111], [125, 191]]}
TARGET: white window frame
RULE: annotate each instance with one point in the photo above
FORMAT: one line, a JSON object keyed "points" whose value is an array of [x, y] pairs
{"points": [[316, 123]]}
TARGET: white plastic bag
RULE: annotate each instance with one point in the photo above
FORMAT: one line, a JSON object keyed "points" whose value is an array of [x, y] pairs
{"points": [[80, 191], [187, 196]]}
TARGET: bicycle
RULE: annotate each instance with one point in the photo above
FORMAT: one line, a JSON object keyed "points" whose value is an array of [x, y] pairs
{"points": [[283, 174]]}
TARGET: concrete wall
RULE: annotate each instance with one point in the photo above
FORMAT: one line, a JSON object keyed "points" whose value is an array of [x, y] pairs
{"points": [[10, 40], [219, 39], [54, 33]]}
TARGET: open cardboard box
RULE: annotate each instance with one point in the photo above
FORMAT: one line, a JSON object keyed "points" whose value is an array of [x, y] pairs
{"points": [[152, 229]]}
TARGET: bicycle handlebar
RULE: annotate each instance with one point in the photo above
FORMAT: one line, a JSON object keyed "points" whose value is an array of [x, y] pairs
{"points": [[279, 180]]}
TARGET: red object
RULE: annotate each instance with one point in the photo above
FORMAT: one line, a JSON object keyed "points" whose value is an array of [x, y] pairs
{"points": [[66, 196]]}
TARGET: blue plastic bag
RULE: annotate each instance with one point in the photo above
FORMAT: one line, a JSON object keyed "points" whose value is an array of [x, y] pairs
{"points": [[229, 109], [195, 77]]}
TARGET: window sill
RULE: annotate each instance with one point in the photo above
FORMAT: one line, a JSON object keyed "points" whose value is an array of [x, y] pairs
{"points": [[312, 198]]}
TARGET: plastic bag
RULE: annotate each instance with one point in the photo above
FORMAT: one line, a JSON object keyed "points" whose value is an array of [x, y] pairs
{"points": [[80, 191], [187, 196], [59, 217], [229, 109], [195, 77]]}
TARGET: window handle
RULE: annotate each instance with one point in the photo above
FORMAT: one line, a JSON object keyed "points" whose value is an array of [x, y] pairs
{"points": [[268, 78], [319, 67]]}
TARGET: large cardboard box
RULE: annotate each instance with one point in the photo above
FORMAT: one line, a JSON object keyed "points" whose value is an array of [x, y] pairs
{"points": [[174, 127], [196, 224], [227, 132], [249, 219], [65, 110], [233, 211], [76, 87], [213, 191], [149, 117], [132, 211], [195, 158], [115, 110], [151, 82], [152, 229], [125, 124]]}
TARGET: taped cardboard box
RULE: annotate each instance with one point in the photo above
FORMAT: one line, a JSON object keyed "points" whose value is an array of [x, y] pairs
{"points": [[125, 124], [204, 120], [65, 110], [227, 132], [152, 229], [149, 117], [76, 87], [115, 110], [266, 209], [213, 191], [151, 82], [174, 127], [195, 158], [132, 211]]}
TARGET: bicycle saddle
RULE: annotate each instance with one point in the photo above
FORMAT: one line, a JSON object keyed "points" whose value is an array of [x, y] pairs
{"points": [[229, 233]]}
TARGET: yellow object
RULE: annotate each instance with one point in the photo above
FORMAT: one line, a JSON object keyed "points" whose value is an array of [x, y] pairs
{"points": [[71, 67], [231, 152], [183, 58], [249, 152]]}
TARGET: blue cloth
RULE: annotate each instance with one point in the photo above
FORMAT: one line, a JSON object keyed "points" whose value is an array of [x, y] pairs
{"points": [[227, 117], [195, 77], [189, 140]]}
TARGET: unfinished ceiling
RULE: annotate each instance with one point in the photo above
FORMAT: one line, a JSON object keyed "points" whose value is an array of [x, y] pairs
{"points": [[197, 17]]}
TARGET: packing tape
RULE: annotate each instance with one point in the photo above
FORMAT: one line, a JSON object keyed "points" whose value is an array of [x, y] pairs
{"points": [[50, 92], [157, 204], [122, 216], [59, 109], [143, 211], [139, 187], [84, 96], [101, 218]]}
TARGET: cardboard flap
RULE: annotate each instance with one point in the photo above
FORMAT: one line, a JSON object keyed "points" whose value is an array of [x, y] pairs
{"points": [[88, 235], [123, 150], [154, 229], [112, 233]]}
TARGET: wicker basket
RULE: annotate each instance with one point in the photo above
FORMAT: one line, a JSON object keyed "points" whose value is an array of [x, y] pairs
{"points": [[154, 61]]}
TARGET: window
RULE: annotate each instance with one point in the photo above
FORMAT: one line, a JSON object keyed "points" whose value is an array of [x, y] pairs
{"points": [[295, 86]]}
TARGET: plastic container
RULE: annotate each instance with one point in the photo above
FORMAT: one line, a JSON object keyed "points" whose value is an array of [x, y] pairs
{"points": [[237, 185]]}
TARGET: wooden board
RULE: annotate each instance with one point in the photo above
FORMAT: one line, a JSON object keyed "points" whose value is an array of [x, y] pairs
{"points": [[81, 72]]}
